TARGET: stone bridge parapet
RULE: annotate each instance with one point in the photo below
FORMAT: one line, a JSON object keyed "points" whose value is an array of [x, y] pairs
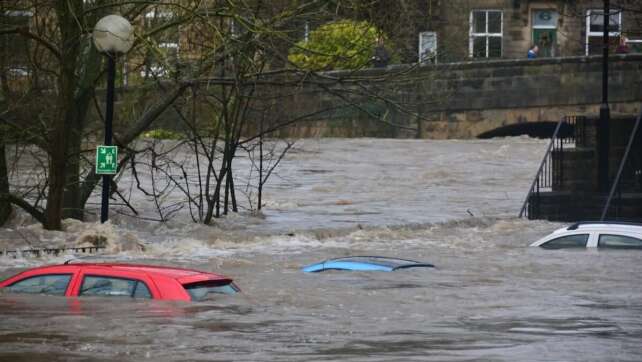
{"points": [[463, 100]]}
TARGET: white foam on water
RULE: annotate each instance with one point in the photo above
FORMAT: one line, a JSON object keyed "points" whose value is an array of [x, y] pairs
{"points": [[327, 193]]}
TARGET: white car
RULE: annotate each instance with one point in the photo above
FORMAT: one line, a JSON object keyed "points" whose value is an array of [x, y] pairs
{"points": [[596, 234]]}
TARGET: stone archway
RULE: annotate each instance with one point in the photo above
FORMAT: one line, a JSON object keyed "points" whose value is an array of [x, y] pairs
{"points": [[541, 129]]}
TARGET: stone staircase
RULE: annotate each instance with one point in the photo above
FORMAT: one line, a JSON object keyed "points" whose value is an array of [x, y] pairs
{"points": [[566, 188]]}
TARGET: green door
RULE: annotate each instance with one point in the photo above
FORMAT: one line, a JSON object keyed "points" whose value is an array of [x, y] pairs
{"points": [[545, 40]]}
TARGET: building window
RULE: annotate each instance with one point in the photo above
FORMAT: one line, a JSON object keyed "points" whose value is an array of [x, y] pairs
{"points": [[428, 47], [545, 31], [595, 29], [486, 28]]}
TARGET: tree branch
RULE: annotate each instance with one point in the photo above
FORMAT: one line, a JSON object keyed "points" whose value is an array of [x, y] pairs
{"points": [[23, 204], [26, 33], [134, 131]]}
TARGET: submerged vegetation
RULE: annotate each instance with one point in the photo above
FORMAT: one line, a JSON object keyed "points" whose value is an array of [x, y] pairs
{"points": [[224, 90], [163, 134]]}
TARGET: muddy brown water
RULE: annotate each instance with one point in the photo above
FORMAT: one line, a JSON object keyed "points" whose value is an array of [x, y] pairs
{"points": [[490, 297]]}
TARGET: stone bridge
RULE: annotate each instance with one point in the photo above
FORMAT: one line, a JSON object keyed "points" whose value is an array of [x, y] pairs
{"points": [[464, 100], [451, 100]]}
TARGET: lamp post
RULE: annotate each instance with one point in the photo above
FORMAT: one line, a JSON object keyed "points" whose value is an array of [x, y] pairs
{"points": [[603, 130], [113, 35]]}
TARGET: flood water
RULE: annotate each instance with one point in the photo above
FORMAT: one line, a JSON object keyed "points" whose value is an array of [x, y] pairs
{"points": [[450, 203]]}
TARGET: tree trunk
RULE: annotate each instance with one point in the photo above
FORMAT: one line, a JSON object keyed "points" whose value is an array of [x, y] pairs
{"points": [[73, 203], [71, 197], [5, 205], [57, 166], [70, 34]]}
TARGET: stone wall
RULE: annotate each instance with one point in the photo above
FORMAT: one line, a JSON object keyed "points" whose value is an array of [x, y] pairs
{"points": [[462, 100]]}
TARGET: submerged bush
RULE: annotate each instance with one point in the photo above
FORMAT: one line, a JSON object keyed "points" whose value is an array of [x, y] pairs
{"points": [[163, 134]]}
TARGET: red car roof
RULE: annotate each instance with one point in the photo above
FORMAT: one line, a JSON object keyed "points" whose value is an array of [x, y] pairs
{"points": [[182, 275], [170, 281]]}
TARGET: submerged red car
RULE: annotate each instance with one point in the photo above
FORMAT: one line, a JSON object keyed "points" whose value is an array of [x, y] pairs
{"points": [[120, 280]]}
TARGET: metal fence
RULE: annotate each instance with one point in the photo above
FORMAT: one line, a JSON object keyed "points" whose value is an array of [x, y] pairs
{"points": [[550, 174]]}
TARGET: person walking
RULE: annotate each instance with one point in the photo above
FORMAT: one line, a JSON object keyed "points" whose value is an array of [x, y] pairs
{"points": [[623, 46], [533, 51], [381, 57]]}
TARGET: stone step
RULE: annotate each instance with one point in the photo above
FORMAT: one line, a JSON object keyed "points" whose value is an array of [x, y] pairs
{"points": [[565, 206]]}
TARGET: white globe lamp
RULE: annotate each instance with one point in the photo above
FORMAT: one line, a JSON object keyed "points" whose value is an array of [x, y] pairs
{"points": [[113, 34]]}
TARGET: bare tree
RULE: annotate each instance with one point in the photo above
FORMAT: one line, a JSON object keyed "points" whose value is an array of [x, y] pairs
{"points": [[58, 78], [230, 91]]}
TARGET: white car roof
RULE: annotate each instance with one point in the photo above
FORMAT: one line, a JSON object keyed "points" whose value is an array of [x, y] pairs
{"points": [[594, 226], [606, 226]]}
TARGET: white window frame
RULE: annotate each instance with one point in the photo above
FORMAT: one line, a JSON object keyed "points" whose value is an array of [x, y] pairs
{"points": [[590, 34], [422, 50], [486, 34]]}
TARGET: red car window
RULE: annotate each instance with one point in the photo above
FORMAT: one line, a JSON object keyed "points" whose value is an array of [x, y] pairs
{"points": [[93, 285], [52, 284]]}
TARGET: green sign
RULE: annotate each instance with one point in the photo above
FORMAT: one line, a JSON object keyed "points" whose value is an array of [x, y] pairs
{"points": [[106, 160]]}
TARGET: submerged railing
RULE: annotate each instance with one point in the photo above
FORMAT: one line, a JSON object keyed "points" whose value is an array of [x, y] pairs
{"points": [[550, 174], [37, 252]]}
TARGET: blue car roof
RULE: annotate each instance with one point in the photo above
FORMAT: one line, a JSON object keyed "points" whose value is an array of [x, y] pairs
{"points": [[365, 263]]}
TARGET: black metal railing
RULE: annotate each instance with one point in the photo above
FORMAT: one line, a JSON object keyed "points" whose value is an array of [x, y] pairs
{"points": [[550, 174], [38, 252], [632, 166]]}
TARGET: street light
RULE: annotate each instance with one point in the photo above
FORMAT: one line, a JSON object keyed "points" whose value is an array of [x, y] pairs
{"points": [[113, 35], [603, 127]]}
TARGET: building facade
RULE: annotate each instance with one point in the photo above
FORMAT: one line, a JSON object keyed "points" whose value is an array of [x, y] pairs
{"points": [[485, 29], [419, 31]]}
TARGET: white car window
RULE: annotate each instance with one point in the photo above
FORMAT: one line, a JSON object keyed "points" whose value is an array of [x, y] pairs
{"points": [[619, 241], [568, 241]]}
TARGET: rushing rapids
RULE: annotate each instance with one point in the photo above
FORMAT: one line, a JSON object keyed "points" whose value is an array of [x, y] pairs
{"points": [[451, 203]]}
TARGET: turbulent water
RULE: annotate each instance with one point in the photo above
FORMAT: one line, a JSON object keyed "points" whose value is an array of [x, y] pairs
{"points": [[450, 203]]}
